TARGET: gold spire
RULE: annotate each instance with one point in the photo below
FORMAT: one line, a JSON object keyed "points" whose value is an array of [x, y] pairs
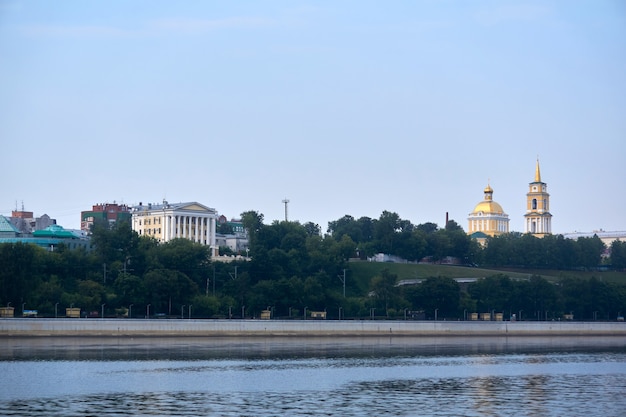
{"points": [[537, 172]]}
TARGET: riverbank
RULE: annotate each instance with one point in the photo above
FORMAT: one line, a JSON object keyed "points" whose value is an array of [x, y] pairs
{"points": [[14, 327]]}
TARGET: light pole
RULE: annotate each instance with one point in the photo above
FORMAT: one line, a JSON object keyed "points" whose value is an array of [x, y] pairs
{"points": [[436, 310], [519, 315], [182, 311], [148, 311], [55, 310], [339, 313], [465, 315], [103, 310], [23, 305], [405, 313], [130, 311], [243, 308], [305, 312], [189, 312], [343, 280]]}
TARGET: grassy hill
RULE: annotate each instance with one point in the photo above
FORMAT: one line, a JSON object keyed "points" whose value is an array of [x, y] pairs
{"points": [[360, 273]]}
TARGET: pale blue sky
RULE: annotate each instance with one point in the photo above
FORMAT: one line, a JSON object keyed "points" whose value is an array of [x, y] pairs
{"points": [[349, 107]]}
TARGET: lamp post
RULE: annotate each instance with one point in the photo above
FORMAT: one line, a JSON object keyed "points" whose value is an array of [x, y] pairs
{"points": [[305, 312], [465, 315], [148, 311], [103, 310], [182, 311], [339, 313], [243, 310], [55, 310], [436, 310], [189, 312], [519, 315], [130, 311], [23, 305]]}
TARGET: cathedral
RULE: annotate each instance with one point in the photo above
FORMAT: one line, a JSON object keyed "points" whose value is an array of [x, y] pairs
{"points": [[488, 218]]}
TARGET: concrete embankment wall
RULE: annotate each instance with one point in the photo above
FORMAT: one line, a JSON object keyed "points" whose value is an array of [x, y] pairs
{"points": [[183, 328]]}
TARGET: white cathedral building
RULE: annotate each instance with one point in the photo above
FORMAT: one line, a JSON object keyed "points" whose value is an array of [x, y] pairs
{"points": [[488, 218]]}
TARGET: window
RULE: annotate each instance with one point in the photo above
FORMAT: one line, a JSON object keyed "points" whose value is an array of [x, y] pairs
{"points": [[534, 204]]}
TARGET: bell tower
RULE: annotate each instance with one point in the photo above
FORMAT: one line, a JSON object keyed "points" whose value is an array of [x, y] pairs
{"points": [[538, 220]]}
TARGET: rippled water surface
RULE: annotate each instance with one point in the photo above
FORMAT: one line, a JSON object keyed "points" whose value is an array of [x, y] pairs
{"points": [[313, 377]]}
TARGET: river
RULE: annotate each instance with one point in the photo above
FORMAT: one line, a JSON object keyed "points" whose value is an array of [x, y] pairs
{"points": [[453, 376]]}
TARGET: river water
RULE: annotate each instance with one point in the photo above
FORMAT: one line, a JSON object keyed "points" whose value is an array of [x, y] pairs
{"points": [[403, 376]]}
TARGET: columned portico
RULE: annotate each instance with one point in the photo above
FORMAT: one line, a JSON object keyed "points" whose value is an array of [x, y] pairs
{"points": [[192, 221]]}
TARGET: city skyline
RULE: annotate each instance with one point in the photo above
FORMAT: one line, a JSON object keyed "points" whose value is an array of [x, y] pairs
{"points": [[341, 108]]}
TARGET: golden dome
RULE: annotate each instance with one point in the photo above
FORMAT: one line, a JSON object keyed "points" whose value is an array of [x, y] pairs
{"points": [[488, 207]]}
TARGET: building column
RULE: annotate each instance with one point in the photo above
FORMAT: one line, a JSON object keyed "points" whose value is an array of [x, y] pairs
{"points": [[198, 218], [212, 233]]}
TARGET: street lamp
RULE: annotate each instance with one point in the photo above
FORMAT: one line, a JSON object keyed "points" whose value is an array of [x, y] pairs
{"points": [[243, 310], [130, 311], [103, 310], [55, 310], [339, 313], [182, 311], [23, 305], [305, 312], [148, 311], [519, 315], [189, 312], [436, 310], [465, 315]]}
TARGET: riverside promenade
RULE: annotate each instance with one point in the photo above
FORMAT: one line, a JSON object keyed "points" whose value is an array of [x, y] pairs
{"points": [[18, 327]]}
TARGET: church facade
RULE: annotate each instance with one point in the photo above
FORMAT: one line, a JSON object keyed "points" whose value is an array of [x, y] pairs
{"points": [[538, 220], [488, 218]]}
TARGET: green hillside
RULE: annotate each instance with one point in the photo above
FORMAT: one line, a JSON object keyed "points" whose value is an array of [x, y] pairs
{"points": [[361, 273]]}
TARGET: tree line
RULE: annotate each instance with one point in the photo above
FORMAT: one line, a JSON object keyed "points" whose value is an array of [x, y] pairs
{"points": [[294, 267]]}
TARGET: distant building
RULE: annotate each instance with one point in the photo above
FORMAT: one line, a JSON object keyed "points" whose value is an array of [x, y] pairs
{"points": [[26, 222], [167, 221], [49, 238], [110, 213], [233, 235], [538, 220], [606, 237], [488, 218]]}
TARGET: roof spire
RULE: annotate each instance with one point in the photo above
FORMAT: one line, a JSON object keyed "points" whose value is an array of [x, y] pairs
{"points": [[537, 172]]}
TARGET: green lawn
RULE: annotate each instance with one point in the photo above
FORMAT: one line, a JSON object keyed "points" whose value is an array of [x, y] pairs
{"points": [[361, 273]]}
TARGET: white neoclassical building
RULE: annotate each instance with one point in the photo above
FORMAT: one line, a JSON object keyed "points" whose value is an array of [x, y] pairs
{"points": [[167, 221]]}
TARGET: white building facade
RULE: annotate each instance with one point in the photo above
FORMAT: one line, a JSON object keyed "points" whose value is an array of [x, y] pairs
{"points": [[164, 222], [538, 219]]}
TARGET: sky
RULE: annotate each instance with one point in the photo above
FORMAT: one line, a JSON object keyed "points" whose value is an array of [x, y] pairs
{"points": [[343, 108]]}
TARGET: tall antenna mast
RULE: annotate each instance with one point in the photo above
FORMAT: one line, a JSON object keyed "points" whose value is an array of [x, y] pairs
{"points": [[285, 202]]}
